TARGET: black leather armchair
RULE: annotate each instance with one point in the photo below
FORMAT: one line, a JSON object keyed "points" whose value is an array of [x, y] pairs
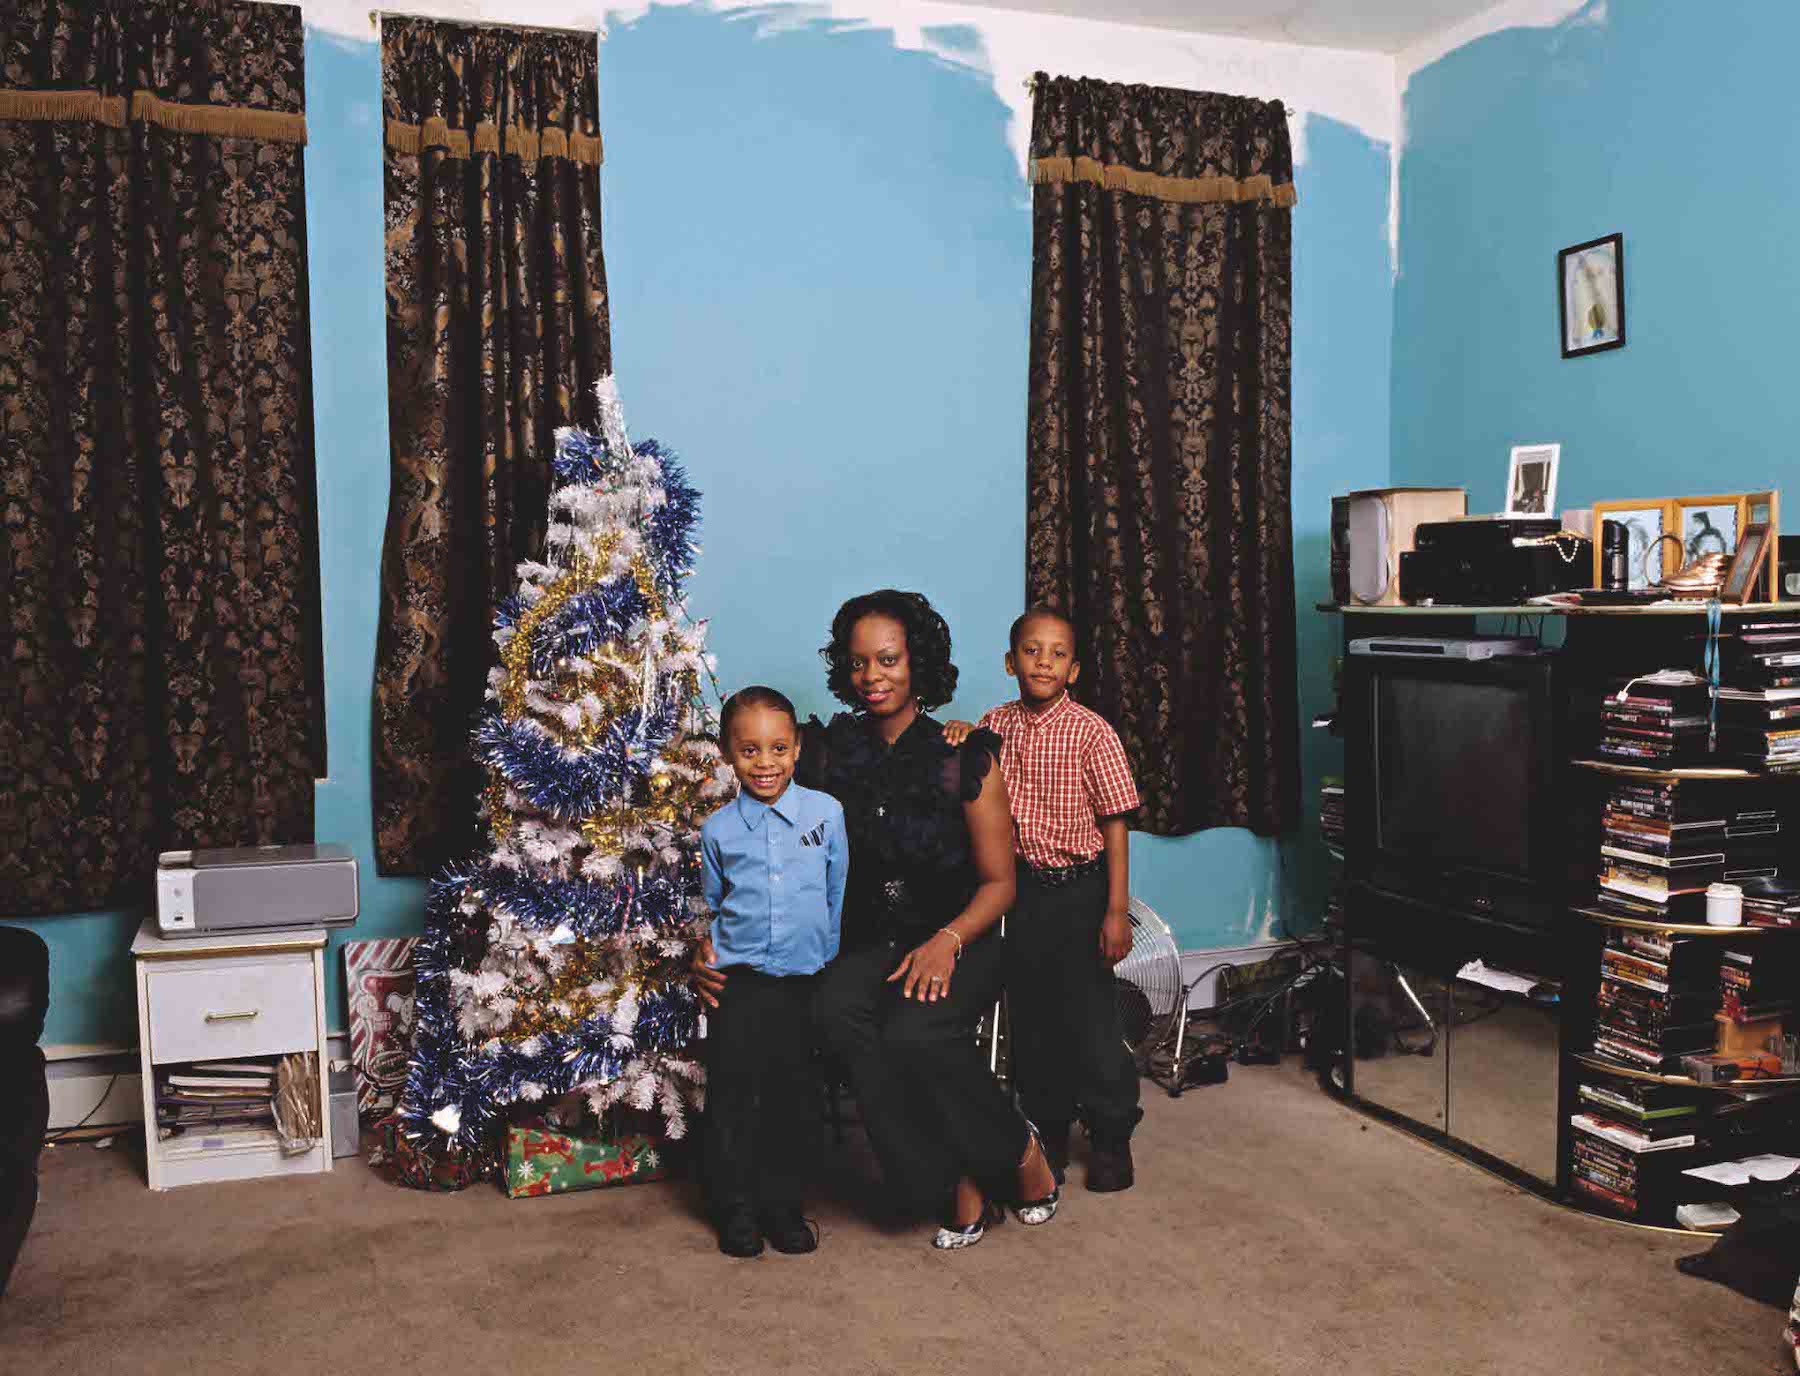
{"points": [[24, 1092]]}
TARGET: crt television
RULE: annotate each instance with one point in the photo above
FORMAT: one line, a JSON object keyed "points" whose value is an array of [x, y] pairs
{"points": [[1450, 787]]}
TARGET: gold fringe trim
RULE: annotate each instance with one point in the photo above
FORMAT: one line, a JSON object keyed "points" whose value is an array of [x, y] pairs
{"points": [[89, 106], [515, 140], [1188, 190], [224, 121]]}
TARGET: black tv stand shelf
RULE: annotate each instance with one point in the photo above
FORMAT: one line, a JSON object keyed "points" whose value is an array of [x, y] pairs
{"points": [[1491, 1076]]}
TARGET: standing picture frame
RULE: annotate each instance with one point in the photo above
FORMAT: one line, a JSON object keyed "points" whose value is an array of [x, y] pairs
{"points": [[1746, 566], [1708, 525], [1646, 521], [1531, 480], [1699, 525], [1590, 294]]}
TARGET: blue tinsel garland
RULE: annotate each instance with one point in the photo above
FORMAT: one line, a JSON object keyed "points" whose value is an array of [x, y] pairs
{"points": [[571, 786]]}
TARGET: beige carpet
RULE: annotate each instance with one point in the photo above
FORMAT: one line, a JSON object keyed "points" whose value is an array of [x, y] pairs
{"points": [[1271, 1231]]}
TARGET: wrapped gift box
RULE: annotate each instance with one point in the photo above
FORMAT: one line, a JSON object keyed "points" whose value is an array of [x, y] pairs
{"points": [[541, 1159], [419, 1166]]}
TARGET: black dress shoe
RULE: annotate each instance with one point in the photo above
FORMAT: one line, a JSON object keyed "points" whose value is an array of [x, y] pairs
{"points": [[791, 1232], [1109, 1166], [738, 1234]]}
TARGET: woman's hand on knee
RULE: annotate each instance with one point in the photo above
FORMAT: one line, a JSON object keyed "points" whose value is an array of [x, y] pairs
{"points": [[927, 969], [704, 978]]}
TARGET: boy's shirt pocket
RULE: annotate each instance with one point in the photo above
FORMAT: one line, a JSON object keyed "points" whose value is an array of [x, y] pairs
{"points": [[807, 857]]}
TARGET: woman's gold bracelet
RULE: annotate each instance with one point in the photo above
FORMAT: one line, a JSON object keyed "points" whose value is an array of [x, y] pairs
{"points": [[956, 937]]}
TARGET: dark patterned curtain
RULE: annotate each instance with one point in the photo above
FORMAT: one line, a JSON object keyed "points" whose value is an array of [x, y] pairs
{"points": [[497, 333], [159, 607], [1157, 459]]}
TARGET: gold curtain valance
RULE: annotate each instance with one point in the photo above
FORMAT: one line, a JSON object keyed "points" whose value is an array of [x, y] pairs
{"points": [[223, 121], [513, 139], [1188, 190]]}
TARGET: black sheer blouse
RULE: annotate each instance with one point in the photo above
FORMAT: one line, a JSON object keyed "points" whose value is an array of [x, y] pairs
{"points": [[911, 866]]}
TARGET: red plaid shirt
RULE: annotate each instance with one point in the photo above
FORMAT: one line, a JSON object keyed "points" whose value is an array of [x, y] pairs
{"points": [[1064, 770]]}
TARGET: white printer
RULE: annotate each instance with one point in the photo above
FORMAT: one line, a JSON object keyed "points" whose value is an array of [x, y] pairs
{"points": [[254, 889]]}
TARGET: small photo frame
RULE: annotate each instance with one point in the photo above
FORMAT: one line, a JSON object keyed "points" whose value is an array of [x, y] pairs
{"points": [[1531, 480], [1645, 523], [1708, 525], [1746, 565], [1590, 290]]}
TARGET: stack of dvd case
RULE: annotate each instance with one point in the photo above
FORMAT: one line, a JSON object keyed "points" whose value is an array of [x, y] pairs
{"points": [[1663, 841], [1631, 1140], [1759, 728], [1659, 722], [1772, 902], [1757, 983], [1759, 708], [1331, 817], [1657, 997]]}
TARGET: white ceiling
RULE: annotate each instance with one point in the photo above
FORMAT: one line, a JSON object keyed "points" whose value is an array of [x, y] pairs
{"points": [[1385, 26]]}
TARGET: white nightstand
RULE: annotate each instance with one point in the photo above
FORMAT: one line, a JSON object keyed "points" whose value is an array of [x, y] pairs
{"points": [[216, 998]]}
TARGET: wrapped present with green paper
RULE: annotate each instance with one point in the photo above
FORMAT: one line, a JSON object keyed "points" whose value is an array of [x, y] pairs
{"points": [[543, 1159]]}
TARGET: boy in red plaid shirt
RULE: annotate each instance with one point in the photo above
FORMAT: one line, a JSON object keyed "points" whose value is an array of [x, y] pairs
{"points": [[1071, 791]]}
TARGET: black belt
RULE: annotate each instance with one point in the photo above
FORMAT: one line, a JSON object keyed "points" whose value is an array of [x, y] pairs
{"points": [[1059, 875]]}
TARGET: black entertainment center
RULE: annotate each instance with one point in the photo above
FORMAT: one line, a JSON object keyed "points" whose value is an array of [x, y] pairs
{"points": [[1472, 806]]}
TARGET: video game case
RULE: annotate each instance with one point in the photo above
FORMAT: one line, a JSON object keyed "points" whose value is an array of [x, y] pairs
{"points": [[1655, 1125]]}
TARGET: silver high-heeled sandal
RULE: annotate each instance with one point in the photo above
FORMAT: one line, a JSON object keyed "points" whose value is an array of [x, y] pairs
{"points": [[1036, 1212], [950, 1238]]}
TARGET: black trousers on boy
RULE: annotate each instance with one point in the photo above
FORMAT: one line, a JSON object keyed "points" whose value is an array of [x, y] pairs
{"points": [[763, 1097], [930, 1107], [1067, 1050]]}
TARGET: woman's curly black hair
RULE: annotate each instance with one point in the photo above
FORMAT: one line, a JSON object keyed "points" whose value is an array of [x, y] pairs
{"points": [[927, 646]]}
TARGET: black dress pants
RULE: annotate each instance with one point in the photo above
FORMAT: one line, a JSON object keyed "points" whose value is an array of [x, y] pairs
{"points": [[763, 1098], [1068, 1045], [930, 1107]]}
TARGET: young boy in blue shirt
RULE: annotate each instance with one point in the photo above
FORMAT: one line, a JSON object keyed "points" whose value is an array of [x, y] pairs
{"points": [[774, 860]]}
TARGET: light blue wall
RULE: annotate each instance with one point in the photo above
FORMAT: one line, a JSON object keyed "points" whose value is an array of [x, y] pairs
{"points": [[819, 254], [1672, 124]]}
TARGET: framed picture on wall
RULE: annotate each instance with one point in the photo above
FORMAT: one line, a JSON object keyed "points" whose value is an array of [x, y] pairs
{"points": [[1590, 289]]}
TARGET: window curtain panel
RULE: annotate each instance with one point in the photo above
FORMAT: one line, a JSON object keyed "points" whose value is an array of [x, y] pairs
{"points": [[159, 607], [1158, 464], [497, 332]]}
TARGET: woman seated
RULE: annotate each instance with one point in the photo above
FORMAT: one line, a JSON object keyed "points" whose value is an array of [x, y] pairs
{"points": [[931, 873]]}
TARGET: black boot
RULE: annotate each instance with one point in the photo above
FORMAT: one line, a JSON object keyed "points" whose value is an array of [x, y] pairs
{"points": [[738, 1234], [789, 1231], [1110, 1168]]}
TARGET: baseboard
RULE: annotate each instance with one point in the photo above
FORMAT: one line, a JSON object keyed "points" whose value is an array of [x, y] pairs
{"points": [[104, 1085], [98, 1091], [1198, 966]]}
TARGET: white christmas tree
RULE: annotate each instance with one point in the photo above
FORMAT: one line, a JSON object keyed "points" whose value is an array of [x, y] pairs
{"points": [[556, 963]]}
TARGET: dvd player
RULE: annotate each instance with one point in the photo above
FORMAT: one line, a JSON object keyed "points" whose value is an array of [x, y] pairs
{"points": [[1436, 647]]}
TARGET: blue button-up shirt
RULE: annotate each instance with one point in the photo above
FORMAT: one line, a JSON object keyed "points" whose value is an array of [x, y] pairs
{"points": [[773, 874]]}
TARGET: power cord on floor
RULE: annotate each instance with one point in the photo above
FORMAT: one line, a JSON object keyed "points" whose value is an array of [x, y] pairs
{"points": [[52, 1138]]}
